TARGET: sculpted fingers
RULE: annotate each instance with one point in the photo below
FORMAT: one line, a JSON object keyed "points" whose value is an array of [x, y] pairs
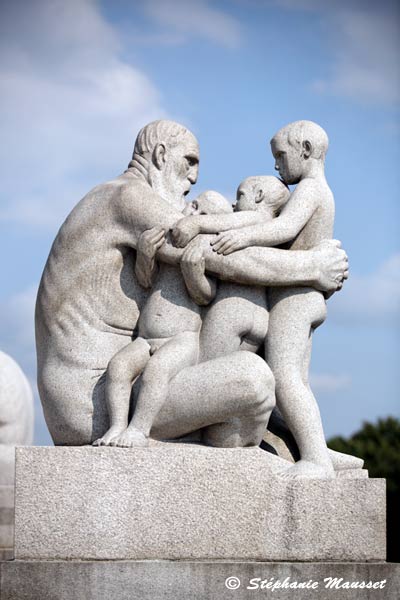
{"points": [[220, 242]]}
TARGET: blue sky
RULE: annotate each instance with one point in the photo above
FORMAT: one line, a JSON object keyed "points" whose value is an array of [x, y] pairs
{"points": [[79, 78]]}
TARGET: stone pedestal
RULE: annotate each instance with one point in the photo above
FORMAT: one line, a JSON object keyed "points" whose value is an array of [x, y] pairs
{"points": [[199, 580], [188, 502], [178, 501], [183, 521]]}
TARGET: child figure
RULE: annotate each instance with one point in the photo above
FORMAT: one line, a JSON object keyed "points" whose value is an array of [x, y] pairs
{"points": [[299, 150], [168, 341]]}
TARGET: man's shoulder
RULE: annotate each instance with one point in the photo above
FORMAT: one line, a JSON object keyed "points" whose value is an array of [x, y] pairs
{"points": [[133, 189]]}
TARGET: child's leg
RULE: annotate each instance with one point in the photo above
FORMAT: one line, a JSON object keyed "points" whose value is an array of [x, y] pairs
{"points": [[177, 353], [292, 321], [122, 370]]}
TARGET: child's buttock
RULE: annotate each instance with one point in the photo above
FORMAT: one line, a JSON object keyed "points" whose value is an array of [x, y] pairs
{"points": [[299, 303]]}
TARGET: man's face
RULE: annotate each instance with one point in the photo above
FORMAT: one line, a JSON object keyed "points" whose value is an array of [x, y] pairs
{"points": [[181, 170], [288, 160]]}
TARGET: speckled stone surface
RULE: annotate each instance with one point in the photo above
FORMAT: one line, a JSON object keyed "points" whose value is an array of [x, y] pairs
{"points": [[178, 501], [201, 580]]}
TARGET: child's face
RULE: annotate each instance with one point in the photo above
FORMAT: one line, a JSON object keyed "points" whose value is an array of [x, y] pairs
{"points": [[206, 204], [288, 160], [245, 198]]}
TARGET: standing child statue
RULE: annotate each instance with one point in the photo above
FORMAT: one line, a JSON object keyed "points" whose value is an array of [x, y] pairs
{"points": [[306, 220]]}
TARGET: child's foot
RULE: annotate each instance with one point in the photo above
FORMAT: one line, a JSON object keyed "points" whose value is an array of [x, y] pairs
{"points": [[343, 461], [113, 432], [130, 438], [305, 469]]}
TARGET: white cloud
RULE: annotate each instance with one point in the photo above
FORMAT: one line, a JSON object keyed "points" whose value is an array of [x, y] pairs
{"points": [[71, 107], [326, 382], [17, 328], [371, 299], [365, 40], [188, 18]]}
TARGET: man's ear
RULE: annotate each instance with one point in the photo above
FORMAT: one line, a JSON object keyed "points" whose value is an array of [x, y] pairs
{"points": [[159, 156], [259, 196], [307, 149]]}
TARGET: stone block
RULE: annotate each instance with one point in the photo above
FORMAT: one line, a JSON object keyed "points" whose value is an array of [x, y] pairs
{"points": [[201, 580], [178, 501]]}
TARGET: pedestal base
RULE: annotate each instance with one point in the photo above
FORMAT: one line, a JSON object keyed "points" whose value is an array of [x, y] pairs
{"points": [[177, 502], [183, 580]]}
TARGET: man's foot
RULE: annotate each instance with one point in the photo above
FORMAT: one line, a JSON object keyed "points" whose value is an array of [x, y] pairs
{"points": [[113, 432], [130, 438], [343, 461], [305, 469]]}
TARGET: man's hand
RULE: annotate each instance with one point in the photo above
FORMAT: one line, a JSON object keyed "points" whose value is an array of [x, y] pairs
{"points": [[332, 265], [231, 241], [184, 231], [148, 244]]}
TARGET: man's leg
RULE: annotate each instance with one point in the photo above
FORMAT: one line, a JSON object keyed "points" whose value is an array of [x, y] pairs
{"points": [[230, 398]]}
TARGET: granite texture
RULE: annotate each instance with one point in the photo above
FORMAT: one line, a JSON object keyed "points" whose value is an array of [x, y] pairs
{"points": [[176, 501], [16, 427], [183, 580]]}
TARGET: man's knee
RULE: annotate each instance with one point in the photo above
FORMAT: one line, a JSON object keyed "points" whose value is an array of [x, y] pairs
{"points": [[258, 381]]}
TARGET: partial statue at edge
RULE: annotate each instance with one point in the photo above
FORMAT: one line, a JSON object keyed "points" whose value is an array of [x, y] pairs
{"points": [[151, 310]]}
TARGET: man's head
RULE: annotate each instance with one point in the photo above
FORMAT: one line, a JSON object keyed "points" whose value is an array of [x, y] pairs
{"points": [[263, 192], [172, 155], [208, 203], [295, 147]]}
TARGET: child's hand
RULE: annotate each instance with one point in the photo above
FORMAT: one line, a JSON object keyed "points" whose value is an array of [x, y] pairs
{"points": [[184, 231], [231, 241]]}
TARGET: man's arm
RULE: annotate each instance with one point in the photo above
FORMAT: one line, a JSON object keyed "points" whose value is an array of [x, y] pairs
{"points": [[324, 267], [294, 216], [139, 208], [188, 227]]}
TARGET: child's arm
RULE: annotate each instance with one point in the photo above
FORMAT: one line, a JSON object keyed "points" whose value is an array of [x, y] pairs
{"points": [[294, 216], [202, 289], [188, 227]]}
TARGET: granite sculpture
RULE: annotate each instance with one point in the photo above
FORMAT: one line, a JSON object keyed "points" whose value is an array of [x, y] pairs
{"points": [[16, 415], [92, 305], [16, 428], [305, 220]]}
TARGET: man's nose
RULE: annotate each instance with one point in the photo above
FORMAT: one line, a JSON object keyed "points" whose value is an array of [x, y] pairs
{"points": [[193, 173], [276, 166]]}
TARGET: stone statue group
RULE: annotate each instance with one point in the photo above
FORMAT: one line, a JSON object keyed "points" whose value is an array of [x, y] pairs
{"points": [[177, 320]]}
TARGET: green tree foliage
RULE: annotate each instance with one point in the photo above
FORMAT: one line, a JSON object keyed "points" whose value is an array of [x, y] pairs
{"points": [[379, 446]]}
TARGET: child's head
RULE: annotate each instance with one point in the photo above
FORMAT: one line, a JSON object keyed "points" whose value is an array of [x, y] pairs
{"points": [[262, 193], [208, 203], [297, 145]]}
